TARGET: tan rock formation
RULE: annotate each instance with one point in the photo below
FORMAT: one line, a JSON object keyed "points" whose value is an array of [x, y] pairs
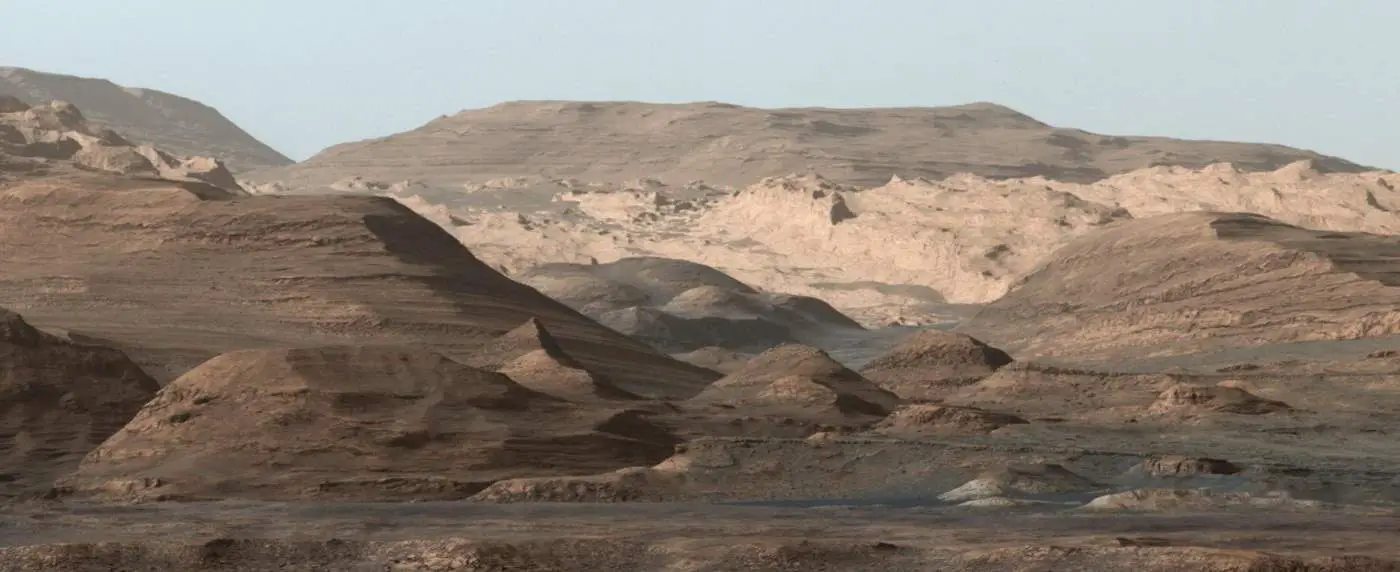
{"points": [[927, 363], [801, 379], [1193, 281], [145, 116]]}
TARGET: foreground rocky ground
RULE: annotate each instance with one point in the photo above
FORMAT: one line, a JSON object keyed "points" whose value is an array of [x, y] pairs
{"points": [[193, 376], [679, 538]]}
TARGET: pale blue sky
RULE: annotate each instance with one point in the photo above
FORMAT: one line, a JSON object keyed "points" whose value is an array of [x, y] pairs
{"points": [[305, 74]]}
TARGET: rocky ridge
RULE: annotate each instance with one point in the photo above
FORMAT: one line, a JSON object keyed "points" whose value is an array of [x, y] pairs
{"points": [[56, 138], [145, 116]]}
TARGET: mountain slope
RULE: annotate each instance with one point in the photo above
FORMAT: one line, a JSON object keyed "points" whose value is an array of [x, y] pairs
{"points": [[896, 253], [174, 279], [360, 423], [171, 122], [733, 145], [1187, 282]]}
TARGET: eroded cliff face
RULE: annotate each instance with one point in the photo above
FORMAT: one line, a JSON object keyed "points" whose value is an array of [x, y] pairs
{"points": [[902, 252]]}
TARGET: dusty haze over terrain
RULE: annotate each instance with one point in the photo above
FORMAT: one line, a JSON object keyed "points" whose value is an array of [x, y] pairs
{"points": [[579, 336]]}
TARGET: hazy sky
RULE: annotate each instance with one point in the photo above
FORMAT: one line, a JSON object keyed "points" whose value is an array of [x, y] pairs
{"points": [[305, 74]]}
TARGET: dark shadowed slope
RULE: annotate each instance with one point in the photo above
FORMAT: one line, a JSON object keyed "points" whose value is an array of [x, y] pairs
{"points": [[58, 400]]}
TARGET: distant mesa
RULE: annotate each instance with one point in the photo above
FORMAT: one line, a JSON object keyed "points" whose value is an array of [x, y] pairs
{"points": [[622, 142], [801, 379], [361, 423], [924, 364], [58, 400]]}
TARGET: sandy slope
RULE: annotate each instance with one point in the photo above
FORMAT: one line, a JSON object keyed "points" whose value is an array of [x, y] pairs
{"points": [[733, 145]]}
